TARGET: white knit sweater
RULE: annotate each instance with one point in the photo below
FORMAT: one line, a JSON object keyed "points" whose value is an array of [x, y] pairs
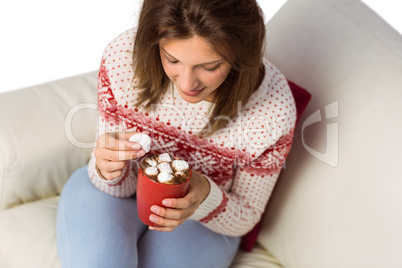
{"points": [[241, 161]]}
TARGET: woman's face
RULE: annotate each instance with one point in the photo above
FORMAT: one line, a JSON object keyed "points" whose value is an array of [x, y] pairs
{"points": [[194, 67]]}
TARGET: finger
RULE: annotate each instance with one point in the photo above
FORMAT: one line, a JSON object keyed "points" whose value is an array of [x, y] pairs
{"points": [[111, 175], [109, 166], [178, 203], [115, 156], [174, 214], [112, 141], [127, 155], [161, 229], [165, 223]]}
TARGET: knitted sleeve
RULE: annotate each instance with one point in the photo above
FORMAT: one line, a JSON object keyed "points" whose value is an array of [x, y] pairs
{"points": [[241, 207], [110, 121]]}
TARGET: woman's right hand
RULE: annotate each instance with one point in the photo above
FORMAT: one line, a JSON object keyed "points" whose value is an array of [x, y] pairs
{"points": [[113, 151]]}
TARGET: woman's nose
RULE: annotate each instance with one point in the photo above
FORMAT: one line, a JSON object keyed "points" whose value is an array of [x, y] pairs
{"points": [[188, 80]]}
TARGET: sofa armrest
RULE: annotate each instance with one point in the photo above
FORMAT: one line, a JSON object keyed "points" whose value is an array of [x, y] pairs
{"points": [[338, 202], [46, 132]]}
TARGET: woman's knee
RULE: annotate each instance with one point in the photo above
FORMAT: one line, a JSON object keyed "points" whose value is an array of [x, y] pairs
{"points": [[77, 181]]}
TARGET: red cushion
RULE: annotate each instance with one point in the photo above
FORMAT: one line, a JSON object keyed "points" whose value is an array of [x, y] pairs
{"points": [[302, 98]]}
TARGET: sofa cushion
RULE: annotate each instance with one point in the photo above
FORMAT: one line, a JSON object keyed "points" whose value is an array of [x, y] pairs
{"points": [[28, 235], [257, 258]]}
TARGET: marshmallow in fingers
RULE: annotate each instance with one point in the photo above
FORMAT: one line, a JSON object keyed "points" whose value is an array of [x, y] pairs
{"points": [[143, 139]]}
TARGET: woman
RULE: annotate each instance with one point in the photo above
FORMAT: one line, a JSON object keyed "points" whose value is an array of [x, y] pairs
{"points": [[193, 77]]}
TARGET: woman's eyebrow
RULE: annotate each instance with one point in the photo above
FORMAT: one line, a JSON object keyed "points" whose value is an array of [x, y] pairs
{"points": [[205, 63]]}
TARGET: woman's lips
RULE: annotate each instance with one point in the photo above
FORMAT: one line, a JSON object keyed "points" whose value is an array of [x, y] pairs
{"points": [[193, 93]]}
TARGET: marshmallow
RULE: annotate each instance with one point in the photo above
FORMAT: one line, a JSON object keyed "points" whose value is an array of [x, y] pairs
{"points": [[164, 177], [165, 167], [180, 165], [151, 162], [151, 171], [165, 157], [181, 175], [143, 139]]}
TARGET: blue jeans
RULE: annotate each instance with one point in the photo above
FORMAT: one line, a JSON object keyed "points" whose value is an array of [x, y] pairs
{"points": [[96, 230]]}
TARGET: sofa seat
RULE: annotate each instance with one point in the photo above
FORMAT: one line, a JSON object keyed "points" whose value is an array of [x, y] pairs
{"points": [[29, 230]]}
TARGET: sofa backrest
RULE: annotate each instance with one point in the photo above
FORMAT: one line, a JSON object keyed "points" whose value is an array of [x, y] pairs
{"points": [[47, 132]]}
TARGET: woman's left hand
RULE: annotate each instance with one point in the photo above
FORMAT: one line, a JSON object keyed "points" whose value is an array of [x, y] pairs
{"points": [[178, 210]]}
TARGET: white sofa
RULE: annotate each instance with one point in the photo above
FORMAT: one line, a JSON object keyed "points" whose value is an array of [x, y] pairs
{"points": [[338, 202]]}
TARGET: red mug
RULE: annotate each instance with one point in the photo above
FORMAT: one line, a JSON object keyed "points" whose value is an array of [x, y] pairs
{"points": [[150, 192]]}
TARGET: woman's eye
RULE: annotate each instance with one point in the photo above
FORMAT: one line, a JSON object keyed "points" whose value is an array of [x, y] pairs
{"points": [[173, 62], [211, 69]]}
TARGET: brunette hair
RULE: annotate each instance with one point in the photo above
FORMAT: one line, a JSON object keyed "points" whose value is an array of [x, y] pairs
{"points": [[233, 28]]}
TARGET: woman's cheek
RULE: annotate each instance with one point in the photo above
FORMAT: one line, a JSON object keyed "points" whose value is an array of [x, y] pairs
{"points": [[171, 71]]}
